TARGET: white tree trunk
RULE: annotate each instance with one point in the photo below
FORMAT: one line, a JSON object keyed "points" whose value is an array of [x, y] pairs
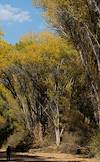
{"points": [[57, 123], [57, 133]]}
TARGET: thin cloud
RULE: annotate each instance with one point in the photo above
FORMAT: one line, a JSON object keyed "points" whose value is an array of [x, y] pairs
{"points": [[12, 14]]}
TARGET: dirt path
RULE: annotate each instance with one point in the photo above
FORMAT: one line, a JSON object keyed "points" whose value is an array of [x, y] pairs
{"points": [[40, 156], [60, 157]]}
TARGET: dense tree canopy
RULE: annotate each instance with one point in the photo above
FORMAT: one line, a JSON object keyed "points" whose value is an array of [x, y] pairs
{"points": [[49, 83], [42, 84], [80, 22]]}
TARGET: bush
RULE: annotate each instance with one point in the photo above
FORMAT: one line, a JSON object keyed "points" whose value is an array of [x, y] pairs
{"points": [[20, 140], [95, 143], [15, 138], [25, 144]]}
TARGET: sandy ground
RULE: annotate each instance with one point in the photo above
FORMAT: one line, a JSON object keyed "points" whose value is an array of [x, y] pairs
{"points": [[40, 156], [61, 157]]}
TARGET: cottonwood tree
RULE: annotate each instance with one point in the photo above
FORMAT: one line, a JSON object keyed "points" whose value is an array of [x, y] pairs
{"points": [[40, 76], [79, 21]]}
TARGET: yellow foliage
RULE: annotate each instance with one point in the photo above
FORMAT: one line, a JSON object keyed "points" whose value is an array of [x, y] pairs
{"points": [[44, 47], [2, 120], [77, 9]]}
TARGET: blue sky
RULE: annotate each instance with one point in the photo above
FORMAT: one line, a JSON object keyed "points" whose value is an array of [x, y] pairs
{"points": [[18, 17]]}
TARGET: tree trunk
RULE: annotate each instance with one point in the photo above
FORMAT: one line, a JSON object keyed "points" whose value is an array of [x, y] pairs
{"points": [[98, 104], [57, 123], [57, 133], [38, 134]]}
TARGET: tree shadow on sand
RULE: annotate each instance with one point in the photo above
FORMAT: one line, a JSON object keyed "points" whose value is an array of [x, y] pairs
{"points": [[20, 158]]}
